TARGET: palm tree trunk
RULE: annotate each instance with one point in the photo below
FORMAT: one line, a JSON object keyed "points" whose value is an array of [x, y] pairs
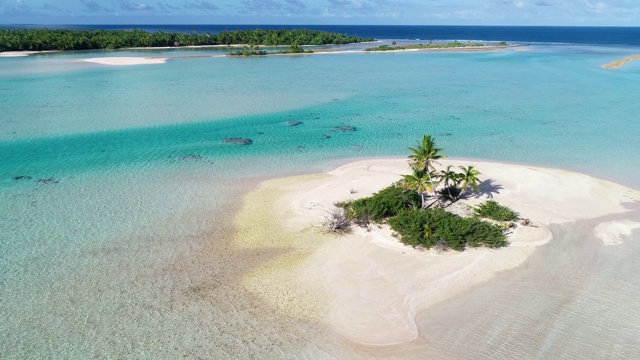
{"points": [[433, 187]]}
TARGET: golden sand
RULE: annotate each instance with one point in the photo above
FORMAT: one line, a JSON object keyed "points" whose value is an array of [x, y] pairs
{"points": [[617, 64]]}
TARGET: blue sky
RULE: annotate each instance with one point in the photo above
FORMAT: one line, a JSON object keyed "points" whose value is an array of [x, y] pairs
{"points": [[410, 12]]}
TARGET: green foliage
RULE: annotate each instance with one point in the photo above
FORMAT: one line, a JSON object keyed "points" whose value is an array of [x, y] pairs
{"points": [[410, 227], [63, 39], [249, 51], [431, 45], [451, 192], [295, 49], [492, 210], [383, 204], [385, 48], [398, 205], [431, 227]]}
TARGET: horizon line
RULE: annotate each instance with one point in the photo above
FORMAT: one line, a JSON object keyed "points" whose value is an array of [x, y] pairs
{"points": [[346, 25]]}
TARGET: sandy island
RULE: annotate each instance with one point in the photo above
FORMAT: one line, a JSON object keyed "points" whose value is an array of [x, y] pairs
{"points": [[617, 64], [130, 60], [125, 61], [23, 53], [367, 286]]}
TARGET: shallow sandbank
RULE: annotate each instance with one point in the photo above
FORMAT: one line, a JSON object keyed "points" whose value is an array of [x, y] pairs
{"points": [[617, 64], [367, 286], [125, 61], [23, 53]]}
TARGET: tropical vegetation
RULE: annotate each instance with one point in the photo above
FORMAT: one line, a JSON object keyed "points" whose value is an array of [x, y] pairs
{"points": [[65, 39], [492, 210], [444, 230], [418, 222], [254, 50], [434, 45]]}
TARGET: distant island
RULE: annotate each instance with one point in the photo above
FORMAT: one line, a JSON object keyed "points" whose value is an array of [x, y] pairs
{"points": [[435, 45], [63, 39], [254, 50]]}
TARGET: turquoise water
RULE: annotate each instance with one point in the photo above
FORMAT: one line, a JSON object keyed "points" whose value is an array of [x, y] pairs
{"points": [[127, 182], [541, 105]]}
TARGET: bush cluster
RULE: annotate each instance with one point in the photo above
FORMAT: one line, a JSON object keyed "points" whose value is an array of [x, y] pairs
{"points": [[422, 227], [451, 192], [64, 39], [492, 210], [383, 204], [437, 227]]}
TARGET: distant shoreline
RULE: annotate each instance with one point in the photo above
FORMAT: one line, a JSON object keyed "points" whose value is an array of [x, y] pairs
{"points": [[134, 60]]}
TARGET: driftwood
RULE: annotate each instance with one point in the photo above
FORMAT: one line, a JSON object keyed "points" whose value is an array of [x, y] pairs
{"points": [[336, 222]]}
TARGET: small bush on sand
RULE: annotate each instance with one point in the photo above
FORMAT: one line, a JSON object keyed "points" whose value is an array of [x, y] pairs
{"points": [[437, 227], [451, 192], [383, 204], [336, 222], [492, 210]]}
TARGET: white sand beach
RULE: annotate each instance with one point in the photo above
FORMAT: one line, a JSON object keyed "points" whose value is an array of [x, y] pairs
{"points": [[367, 286], [23, 53], [125, 61]]}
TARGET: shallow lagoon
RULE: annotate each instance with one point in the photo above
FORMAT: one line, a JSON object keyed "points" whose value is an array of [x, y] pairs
{"points": [[128, 247]]}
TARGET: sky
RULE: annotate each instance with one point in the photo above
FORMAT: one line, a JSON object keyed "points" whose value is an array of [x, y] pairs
{"points": [[320, 12]]}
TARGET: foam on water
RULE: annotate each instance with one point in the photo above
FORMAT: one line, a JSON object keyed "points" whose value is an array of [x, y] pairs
{"points": [[125, 250]]}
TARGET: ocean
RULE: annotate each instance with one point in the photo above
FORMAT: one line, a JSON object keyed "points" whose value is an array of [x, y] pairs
{"points": [[118, 191]]}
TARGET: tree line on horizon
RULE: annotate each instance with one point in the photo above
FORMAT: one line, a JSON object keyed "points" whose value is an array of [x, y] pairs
{"points": [[65, 39]]}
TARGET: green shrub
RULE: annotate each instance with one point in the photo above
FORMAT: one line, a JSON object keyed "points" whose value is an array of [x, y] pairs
{"points": [[492, 210], [410, 227], [451, 192], [384, 204], [431, 227]]}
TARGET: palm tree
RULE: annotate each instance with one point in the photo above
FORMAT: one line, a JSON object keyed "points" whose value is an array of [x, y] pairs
{"points": [[469, 178], [424, 155], [416, 181], [448, 175]]}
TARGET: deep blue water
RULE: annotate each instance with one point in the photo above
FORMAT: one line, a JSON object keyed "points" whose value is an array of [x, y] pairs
{"points": [[529, 34]]}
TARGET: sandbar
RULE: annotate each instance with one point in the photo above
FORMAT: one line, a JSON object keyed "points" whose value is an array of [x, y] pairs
{"points": [[617, 64], [615, 232], [367, 286], [125, 61], [23, 53]]}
